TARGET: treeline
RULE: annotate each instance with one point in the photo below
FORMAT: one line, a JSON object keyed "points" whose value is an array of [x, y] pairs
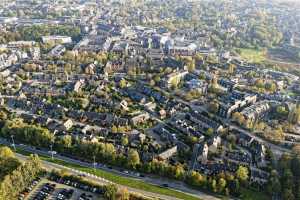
{"points": [[36, 32], [27, 133], [224, 183], [285, 181], [19, 176]]}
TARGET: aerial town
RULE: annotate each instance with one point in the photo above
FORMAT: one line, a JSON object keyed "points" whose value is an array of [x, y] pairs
{"points": [[149, 99]]}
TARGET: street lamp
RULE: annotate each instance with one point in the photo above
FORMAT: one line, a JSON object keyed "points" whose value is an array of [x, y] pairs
{"points": [[13, 142], [94, 163], [51, 151]]}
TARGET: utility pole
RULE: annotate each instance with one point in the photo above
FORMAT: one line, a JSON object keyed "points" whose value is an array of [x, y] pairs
{"points": [[13, 142]]}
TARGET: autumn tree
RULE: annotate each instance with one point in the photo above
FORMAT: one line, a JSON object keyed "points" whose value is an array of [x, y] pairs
{"points": [[133, 158], [242, 173], [110, 192]]}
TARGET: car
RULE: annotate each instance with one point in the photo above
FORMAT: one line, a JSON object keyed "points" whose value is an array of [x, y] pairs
{"points": [[84, 196], [52, 152], [137, 174], [65, 194], [165, 185]]}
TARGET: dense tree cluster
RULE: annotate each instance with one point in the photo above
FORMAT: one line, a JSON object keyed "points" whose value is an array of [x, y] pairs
{"points": [[37, 31], [26, 133], [14, 176], [87, 57], [285, 182], [107, 153], [7, 36]]}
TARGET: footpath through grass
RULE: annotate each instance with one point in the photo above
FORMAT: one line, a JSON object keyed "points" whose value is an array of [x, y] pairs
{"points": [[125, 181]]}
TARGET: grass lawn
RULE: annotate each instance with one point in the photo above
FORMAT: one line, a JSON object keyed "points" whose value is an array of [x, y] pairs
{"points": [[248, 194], [252, 55], [130, 182]]}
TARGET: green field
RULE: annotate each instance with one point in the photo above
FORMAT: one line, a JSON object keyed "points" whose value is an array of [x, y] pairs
{"points": [[252, 55], [130, 182]]}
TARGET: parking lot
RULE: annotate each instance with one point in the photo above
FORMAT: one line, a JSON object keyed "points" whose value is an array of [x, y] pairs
{"points": [[60, 192]]}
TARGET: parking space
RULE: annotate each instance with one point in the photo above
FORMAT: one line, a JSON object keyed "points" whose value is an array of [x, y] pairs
{"points": [[44, 191], [24, 194]]}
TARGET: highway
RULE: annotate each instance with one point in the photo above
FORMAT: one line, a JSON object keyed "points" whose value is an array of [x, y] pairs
{"points": [[52, 166], [155, 180]]}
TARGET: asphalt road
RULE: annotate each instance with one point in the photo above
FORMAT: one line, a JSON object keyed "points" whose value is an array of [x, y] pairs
{"points": [[52, 166], [276, 149], [155, 180]]}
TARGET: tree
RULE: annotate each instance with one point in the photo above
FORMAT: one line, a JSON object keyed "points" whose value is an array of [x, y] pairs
{"points": [[174, 82], [27, 133], [124, 140], [123, 83], [202, 76], [287, 179], [179, 172], [288, 194], [114, 129], [239, 118], [231, 138], [231, 68], [64, 142], [110, 192], [196, 179], [270, 86], [296, 150], [191, 140], [190, 64], [16, 180], [123, 194], [213, 107], [221, 185], [209, 132], [281, 110], [274, 186], [242, 173], [3, 115], [284, 162], [6, 152], [214, 82], [259, 83], [157, 79], [214, 185], [294, 115], [133, 158]]}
